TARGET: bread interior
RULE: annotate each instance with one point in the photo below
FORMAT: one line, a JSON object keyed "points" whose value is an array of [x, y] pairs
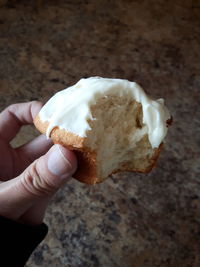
{"points": [[118, 135]]}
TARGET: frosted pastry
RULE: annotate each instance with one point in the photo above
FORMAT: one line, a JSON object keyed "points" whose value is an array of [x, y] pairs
{"points": [[111, 124]]}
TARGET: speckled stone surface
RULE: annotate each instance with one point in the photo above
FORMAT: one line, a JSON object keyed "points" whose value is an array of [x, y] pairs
{"points": [[131, 220]]}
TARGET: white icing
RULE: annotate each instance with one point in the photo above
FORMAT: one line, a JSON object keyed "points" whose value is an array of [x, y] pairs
{"points": [[69, 109]]}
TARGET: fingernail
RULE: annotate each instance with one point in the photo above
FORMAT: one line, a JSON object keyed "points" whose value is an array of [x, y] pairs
{"points": [[58, 164]]}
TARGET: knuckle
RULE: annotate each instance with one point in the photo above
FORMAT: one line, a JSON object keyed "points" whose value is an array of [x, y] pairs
{"points": [[12, 107], [36, 185]]}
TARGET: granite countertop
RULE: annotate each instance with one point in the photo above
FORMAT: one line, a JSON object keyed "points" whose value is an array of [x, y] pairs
{"points": [[131, 220]]}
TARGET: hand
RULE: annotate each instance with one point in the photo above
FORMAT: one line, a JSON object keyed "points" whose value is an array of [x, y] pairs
{"points": [[37, 175]]}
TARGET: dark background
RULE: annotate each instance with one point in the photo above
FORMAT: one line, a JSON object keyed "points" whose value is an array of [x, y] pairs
{"points": [[131, 220]]}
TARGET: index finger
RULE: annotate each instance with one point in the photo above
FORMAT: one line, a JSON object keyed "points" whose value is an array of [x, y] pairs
{"points": [[15, 116]]}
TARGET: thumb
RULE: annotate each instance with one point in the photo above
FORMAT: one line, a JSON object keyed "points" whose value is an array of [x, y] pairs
{"points": [[39, 181], [47, 174]]}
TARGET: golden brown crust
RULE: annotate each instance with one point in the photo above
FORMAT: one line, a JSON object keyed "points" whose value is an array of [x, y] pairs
{"points": [[86, 171], [87, 165], [60, 136], [169, 121]]}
